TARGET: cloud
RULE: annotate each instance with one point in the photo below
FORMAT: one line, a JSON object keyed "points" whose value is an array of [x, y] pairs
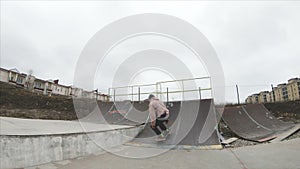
{"points": [[257, 42]]}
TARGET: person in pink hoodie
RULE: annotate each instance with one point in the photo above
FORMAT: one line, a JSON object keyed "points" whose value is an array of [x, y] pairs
{"points": [[159, 115]]}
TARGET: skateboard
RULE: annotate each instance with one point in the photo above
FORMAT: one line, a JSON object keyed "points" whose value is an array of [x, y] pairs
{"points": [[165, 137]]}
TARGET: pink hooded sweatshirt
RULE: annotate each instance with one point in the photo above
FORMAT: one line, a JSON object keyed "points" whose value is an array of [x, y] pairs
{"points": [[156, 108]]}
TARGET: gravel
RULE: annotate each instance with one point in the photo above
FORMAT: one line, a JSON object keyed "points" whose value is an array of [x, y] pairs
{"points": [[242, 142]]}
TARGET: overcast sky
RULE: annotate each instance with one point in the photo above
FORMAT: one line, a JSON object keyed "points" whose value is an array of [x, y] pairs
{"points": [[257, 42]]}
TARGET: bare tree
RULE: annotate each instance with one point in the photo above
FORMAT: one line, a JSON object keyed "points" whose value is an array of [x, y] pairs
{"points": [[29, 80]]}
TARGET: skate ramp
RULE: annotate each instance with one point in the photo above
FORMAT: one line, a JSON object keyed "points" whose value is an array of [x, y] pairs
{"points": [[192, 123], [263, 116], [125, 112], [119, 113], [254, 122]]}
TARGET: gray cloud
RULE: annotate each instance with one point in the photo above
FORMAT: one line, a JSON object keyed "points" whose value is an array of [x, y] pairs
{"points": [[257, 44]]}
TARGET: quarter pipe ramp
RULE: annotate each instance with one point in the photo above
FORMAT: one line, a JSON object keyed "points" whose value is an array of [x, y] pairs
{"points": [[254, 122], [192, 123]]}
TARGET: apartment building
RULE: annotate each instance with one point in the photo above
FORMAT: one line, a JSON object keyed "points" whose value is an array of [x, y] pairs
{"points": [[4, 75], [262, 97], [13, 76], [282, 92], [47, 87], [254, 98], [293, 89], [270, 96], [249, 99], [60, 89]]}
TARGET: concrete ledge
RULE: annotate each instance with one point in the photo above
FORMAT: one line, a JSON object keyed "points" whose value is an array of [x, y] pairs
{"points": [[18, 151], [176, 147]]}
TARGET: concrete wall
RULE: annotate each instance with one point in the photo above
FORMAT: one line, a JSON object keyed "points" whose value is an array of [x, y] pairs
{"points": [[25, 151]]}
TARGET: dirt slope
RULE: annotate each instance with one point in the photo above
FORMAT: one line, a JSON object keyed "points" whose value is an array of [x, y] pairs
{"points": [[15, 101], [287, 111]]}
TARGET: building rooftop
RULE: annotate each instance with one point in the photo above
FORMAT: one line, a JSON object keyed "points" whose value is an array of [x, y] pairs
{"points": [[293, 79], [281, 85]]}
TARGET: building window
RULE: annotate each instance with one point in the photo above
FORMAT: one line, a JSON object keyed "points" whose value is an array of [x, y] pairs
{"points": [[19, 80], [284, 89], [38, 85]]}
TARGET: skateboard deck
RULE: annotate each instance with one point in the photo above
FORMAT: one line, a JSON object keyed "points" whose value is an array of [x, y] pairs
{"points": [[165, 137]]}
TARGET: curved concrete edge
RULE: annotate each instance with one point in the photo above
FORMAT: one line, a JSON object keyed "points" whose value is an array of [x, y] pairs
{"points": [[25, 151], [176, 147]]}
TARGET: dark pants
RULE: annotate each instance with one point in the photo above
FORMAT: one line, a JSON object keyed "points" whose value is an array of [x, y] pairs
{"points": [[161, 125]]}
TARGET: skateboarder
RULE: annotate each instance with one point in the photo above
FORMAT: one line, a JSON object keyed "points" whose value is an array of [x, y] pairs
{"points": [[159, 115]]}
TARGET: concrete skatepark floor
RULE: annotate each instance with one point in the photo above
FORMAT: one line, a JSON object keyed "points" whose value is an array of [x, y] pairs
{"points": [[273, 155], [280, 155], [18, 126], [283, 155]]}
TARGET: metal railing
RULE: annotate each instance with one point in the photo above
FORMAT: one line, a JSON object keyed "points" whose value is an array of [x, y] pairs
{"points": [[136, 90]]}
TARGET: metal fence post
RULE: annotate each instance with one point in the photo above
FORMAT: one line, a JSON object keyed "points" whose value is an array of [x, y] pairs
{"points": [[200, 93], [273, 92], [167, 95], [114, 95], [139, 94], [132, 93], [182, 83], [237, 93]]}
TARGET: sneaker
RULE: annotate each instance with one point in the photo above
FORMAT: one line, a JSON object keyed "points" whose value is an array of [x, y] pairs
{"points": [[160, 137], [166, 132]]}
